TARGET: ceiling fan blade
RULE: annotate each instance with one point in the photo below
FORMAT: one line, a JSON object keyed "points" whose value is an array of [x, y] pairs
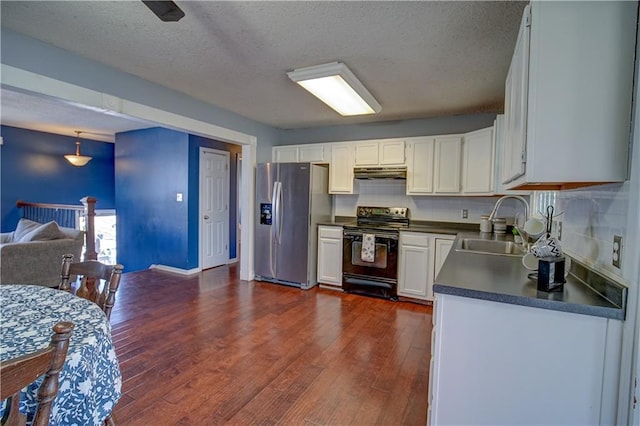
{"points": [[167, 11]]}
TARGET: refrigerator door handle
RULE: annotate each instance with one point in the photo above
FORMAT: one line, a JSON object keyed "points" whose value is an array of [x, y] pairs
{"points": [[277, 200], [280, 211], [274, 225], [274, 198]]}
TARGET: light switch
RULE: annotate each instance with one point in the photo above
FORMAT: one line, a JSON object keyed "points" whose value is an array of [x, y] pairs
{"points": [[179, 197]]}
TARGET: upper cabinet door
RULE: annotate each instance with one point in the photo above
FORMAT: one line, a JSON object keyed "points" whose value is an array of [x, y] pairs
{"points": [[380, 153], [391, 153], [341, 169], [420, 166], [477, 162], [311, 153], [569, 92], [367, 153], [285, 154], [447, 164], [516, 86]]}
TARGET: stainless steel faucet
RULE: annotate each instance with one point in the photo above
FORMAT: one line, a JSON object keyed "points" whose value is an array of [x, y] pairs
{"points": [[494, 211]]}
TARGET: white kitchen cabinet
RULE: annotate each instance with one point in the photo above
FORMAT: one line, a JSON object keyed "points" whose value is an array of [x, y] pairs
{"points": [[366, 153], [341, 168], [414, 266], [285, 154], [330, 255], [420, 258], [420, 166], [513, 156], [499, 146], [498, 363], [313, 153], [391, 153], [310, 153], [477, 162], [442, 246], [380, 153], [448, 150], [568, 95]]}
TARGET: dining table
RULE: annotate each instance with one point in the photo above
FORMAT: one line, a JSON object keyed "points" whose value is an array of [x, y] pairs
{"points": [[90, 383]]}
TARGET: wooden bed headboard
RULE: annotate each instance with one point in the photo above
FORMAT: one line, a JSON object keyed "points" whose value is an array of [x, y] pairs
{"points": [[67, 215]]}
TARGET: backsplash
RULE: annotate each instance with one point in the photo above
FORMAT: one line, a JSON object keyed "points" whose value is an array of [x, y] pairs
{"points": [[592, 216], [388, 193]]}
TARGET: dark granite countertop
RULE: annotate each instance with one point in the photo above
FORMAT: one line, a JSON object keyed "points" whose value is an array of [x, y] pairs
{"points": [[503, 279]]}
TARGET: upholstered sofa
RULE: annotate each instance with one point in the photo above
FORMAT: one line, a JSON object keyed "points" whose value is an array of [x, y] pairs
{"points": [[32, 254]]}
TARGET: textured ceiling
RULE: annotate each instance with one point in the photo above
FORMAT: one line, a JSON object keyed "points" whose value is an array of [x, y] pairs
{"points": [[419, 59], [53, 116]]}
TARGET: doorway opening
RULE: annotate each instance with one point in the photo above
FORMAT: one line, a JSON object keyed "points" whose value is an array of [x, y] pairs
{"points": [[104, 223], [238, 206]]}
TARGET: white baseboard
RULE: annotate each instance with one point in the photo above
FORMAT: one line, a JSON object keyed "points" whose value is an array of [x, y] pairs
{"points": [[175, 270], [234, 260]]}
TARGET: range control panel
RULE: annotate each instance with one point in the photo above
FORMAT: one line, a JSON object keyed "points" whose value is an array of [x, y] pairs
{"points": [[383, 212]]}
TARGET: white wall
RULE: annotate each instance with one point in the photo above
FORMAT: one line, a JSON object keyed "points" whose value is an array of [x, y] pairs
{"points": [[391, 193]]}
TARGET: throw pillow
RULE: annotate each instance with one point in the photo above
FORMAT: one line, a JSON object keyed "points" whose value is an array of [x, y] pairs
{"points": [[48, 231], [24, 227]]}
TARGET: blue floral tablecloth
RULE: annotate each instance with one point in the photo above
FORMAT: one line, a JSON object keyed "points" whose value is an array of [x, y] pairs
{"points": [[90, 382]]}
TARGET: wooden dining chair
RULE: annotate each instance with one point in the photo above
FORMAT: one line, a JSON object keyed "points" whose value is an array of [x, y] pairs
{"points": [[98, 281], [17, 373]]}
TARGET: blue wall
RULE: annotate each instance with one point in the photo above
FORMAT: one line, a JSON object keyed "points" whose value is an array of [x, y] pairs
{"points": [[33, 168], [151, 167]]}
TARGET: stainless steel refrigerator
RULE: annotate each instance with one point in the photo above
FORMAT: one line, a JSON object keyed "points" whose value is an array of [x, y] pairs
{"points": [[291, 198]]}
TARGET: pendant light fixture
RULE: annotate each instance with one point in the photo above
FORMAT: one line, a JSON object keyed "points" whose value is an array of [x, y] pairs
{"points": [[77, 159]]}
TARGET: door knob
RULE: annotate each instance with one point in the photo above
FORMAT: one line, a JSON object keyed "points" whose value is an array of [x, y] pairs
{"points": [[206, 217]]}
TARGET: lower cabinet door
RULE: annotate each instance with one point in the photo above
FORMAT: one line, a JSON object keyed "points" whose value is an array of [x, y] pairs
{"points": [[330, 261], [413, 271]]}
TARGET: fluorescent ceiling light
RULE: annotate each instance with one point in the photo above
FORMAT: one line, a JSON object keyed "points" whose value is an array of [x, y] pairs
{"points": [[335, 85]]}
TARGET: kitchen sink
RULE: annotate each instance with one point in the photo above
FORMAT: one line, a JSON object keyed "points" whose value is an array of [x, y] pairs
{"points": [[505, 248]]}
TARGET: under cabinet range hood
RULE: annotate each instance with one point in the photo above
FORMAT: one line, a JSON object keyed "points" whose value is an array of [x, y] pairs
{"points": [[399, 173]]}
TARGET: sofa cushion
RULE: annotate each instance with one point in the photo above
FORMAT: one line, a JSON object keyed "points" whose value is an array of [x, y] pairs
{"points": [[24, 227], [28, 230]]}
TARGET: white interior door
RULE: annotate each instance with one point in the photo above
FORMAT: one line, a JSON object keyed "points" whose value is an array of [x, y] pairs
{"points": [[214, 208]]}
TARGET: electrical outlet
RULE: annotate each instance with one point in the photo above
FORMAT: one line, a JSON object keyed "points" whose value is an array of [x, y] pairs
{"points": [[464, 214], [179, 197], [559, 229], [617, 251]]}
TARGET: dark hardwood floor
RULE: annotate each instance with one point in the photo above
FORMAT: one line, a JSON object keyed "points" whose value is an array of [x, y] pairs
{"points": [[211, 349]]}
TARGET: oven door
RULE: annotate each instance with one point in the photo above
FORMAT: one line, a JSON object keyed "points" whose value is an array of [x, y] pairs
{"points": [[385, 264]]}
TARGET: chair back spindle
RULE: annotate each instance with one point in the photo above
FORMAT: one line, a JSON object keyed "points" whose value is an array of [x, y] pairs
{"points": [[99, 282], [19, 372]]}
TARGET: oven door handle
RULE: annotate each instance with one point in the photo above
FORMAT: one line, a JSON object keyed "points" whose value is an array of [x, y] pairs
{"points": [[351, 235]]}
